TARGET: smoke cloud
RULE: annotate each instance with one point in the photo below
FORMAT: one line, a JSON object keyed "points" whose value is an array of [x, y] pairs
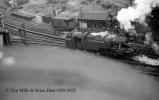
{"points": [[102, 34], [136, 13]]}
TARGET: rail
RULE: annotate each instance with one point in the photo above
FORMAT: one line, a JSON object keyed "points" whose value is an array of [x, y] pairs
{"points": [[35, 33]]}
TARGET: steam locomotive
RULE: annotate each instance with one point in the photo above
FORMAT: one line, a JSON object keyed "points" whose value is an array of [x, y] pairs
{"points": [[111, 45]]}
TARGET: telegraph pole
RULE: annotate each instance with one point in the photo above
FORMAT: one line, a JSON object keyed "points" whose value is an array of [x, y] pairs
{"points": [[131, 2], [53, 8], [22, 32]]}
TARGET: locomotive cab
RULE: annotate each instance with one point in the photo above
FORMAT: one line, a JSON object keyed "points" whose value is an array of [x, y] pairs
{"points": [[74, 40], [78, 39]]}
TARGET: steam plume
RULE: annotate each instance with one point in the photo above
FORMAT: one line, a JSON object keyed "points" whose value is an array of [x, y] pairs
{"points": [[155, 47], [145, 60], [149, 41], [136, 13]]}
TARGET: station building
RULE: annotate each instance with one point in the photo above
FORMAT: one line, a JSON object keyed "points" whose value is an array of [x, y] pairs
{"points": [[92, 21]]}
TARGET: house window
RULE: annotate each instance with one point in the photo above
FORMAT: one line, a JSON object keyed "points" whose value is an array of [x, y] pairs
{"points": [[81, 21], [103, 23], [79, 39], [89, 25], [95, 25]]}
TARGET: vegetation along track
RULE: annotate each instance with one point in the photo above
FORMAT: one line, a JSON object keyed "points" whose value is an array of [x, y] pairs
{"points": [[34, 34]]}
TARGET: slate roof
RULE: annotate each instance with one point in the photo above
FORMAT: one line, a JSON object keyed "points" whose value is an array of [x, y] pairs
{"points": [[93, 16], [23, 15], [60, 17]]}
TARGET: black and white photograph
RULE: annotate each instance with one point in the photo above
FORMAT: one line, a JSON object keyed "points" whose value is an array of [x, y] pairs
{"points": [[79, 49]]}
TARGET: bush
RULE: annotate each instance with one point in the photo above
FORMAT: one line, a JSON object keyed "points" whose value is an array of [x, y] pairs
{"points": [[6, 2], [64, 8], [98, 1], [63, 2], [90, 1], [108, 6], [84, 3]]}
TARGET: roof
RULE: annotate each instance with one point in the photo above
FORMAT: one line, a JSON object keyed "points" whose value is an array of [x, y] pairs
{"points": [[49, 15], [23, 15], [93, 16], [63, 17]]}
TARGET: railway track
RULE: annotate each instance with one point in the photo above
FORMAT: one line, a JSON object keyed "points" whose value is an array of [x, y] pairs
{"points": [[143, 68], [35, 34], [41, 34], [29, 25]]}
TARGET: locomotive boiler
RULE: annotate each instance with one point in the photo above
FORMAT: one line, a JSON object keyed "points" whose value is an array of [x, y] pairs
{"points": [[110, 44]]}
